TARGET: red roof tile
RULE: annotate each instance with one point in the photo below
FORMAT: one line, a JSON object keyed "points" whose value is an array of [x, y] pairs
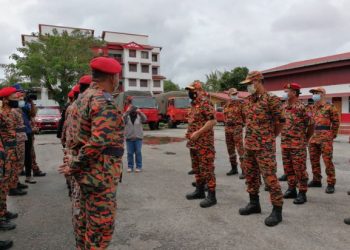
{"points": [[311, 62]]}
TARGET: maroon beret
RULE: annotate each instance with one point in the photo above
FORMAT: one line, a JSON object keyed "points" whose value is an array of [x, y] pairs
{"points": [[76, 88], [71, 94], [295, 86], [7, 91], [106, 65], [87, 79]]}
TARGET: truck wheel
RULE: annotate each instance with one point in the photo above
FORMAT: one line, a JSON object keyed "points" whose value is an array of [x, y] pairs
{"points": [[152, 126], [157, 125], [171, 124]]}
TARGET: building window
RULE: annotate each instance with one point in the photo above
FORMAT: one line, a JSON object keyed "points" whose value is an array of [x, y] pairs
{"points": [[154, 58], [132, 82], [132, 53], [132, 67], [155, 70], [143, 83], [144, 54], [156, 84], [145, 68]]}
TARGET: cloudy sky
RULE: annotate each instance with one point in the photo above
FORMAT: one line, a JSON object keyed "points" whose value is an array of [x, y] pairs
{"points": [[197, 36]]}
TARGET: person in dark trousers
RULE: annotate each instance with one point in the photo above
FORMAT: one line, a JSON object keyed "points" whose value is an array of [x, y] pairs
{"points": [[27, 114], [134, 119]]}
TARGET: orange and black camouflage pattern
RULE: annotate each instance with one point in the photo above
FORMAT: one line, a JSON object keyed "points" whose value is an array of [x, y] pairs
{"points": [[261, 113], [97, 149], [234, 123], [8, 136], [2, 175], [202, 151], [294, 143], [321, 143]]}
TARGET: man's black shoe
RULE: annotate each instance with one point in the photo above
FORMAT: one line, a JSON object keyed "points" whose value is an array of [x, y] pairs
{"points": [[290, 194], [253, 207], [301, 199], [275, 217], [197, 194], [16, 192], [39, 174], [210, 200], [191, 172], [347, 221], [330, 189], [233, 171], [314, 184], [10, 216], [22, 186], [6, 225], [7, 244]]}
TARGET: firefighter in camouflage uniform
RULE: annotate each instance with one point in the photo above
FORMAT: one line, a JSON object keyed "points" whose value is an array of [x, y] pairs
{"points": [[200, 136]]}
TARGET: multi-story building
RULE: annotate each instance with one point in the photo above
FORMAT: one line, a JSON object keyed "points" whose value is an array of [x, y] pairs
{"points": [[140, 61]]}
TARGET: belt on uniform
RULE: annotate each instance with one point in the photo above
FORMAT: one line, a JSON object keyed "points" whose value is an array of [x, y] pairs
{"points": [[117, 152], [322, 127], [233, 124], [10, 144], [19, 130]]}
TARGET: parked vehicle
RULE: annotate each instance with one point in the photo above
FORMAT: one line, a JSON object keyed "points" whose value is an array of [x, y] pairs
{"points": [[47, 118], [173, 107], [220, 117], [145, 101]]}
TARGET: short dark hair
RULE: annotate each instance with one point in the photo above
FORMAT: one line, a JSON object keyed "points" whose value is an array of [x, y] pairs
{"points": [[99, 75]]}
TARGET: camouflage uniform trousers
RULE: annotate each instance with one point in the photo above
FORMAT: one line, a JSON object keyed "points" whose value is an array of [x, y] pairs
{"points": [[97, 217], [10, 164], [326, 150], [262, 162], [234, 140], [19, 165], [294, 164], [203, 166]]}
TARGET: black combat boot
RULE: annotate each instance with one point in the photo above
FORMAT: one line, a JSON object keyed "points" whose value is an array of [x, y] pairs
{"points": [[210, 200], [330, 189], [283, 177], [242, 175], [347, 221], [16, 192], [349, 192], [7, 244], [233, 170], [301, 199], [197, 194], [21, 186], [253, 206], [314, 184], [266, 188], [6, 225], [11, 216], [275, 217], [290, 194], [191, 172], [194, 184]]}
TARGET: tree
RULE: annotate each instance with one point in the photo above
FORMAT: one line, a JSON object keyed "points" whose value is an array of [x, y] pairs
{"points": [[170, 86], [232, 79], [55, 61], [213, 81]]}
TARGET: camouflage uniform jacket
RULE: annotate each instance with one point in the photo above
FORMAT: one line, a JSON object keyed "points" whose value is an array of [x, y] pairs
{"points": [[98, 145], [295, 128], [233, 112], [21, 135], [200, 113], [326, 117], [261, 113]]}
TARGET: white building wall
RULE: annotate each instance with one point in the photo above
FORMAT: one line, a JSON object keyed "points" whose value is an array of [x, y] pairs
{"points": [[125, 38], [345, 104]]}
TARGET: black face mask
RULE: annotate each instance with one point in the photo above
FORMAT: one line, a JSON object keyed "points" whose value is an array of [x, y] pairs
{"points": [[192, 95], [13, 104]]}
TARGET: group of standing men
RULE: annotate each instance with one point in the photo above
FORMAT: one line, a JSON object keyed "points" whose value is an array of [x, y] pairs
{"points": [[93, 140], [264, 116], [17, 153]]}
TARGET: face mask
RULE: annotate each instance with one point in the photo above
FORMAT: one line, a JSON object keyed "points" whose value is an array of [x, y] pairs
{"points": [[192, 95], [285, 96], [234, 97], [251, 89], [21, 104], [316, 97], [13, 104]]}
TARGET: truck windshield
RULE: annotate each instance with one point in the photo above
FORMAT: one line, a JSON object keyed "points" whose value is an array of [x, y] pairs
{"points": [[144, 102], [182, 103]]}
